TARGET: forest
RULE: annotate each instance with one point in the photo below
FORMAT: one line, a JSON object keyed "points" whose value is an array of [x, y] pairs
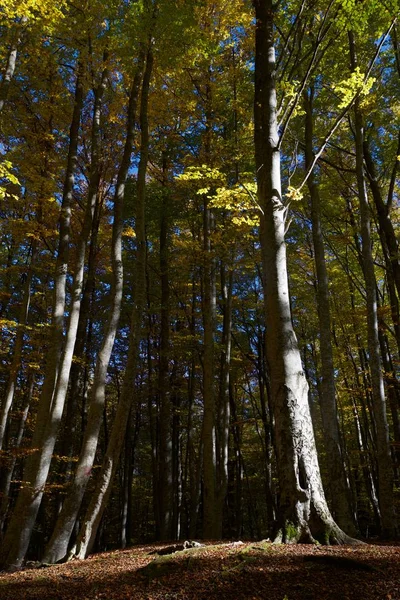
{"points": [[199, 273]]}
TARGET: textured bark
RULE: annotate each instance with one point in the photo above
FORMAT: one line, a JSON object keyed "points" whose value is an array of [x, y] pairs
{"points": [[94, 513], [339, 491], [303, 512], [385, 468], [58, 544]]}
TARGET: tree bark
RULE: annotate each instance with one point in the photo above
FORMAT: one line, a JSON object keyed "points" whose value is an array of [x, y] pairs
{"points": [[388, 239], [385, 468], [165, 484], [58, 544], [94, 513], [37, 465], [223, 420], [303, 512], [71, 438], [18, 347], [208, 431], [338, 483]]}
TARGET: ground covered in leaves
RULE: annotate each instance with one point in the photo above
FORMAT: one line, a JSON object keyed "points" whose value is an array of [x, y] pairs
{"points": [[255, 571]]}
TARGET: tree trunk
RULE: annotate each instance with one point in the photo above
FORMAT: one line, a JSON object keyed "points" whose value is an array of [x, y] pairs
{"points": [[393, 394], [223, 399], [165, 491], [94, 513], [385, 469], [338, 482], [264, 391], [237, 475], [37, 465], [7, 470], [58, 544], [71, 438], [388, 239], [210, 527], [18, 347], [303, 512]]}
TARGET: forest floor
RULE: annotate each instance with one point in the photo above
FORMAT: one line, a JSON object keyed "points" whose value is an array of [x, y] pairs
{"points": [[223, 571]]}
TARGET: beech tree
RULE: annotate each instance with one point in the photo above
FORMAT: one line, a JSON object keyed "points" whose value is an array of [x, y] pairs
{"points": [[304, 513], [199, 295]]}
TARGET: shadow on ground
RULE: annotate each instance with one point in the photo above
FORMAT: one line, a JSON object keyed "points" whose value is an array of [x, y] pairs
{"points": [[223, 572]]}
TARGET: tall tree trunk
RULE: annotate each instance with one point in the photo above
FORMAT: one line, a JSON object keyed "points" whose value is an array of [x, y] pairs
{"points": [[210, 527], [129, 462], [58, 544], [193, 462], [71, 438], [165, 491], [20, 528], [386, 229], [385, 468], [266, 412], [94, 513], [303, 512], [390, 246], [223, 399], [237, 483], [393, 394], [176, 437], [338, 482]]}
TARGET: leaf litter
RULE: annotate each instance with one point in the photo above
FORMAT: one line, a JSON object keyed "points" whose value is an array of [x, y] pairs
{"points": [[220, 571]]}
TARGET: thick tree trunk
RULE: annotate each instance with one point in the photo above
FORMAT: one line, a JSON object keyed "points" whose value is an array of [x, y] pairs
{"points": [[303, 512], [385, 468], [94, 513], [338, 483], [58, 544]]}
